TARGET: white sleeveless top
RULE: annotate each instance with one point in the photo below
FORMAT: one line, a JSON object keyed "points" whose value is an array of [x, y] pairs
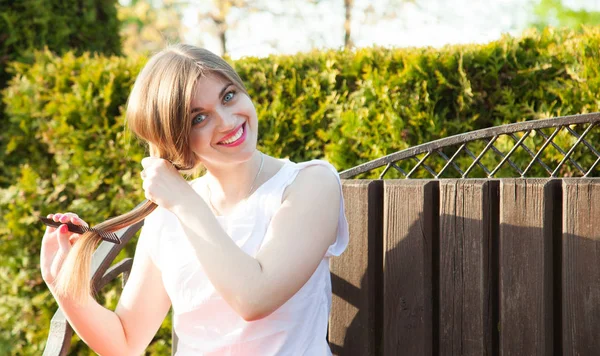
{"points": [[204, 323]]}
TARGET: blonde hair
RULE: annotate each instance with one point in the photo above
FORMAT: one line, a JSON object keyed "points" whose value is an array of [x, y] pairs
{"points": [[158, 112]]}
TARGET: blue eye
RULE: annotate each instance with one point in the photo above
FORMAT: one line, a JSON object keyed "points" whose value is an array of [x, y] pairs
{"points": [[229, 96], [198, 119]]}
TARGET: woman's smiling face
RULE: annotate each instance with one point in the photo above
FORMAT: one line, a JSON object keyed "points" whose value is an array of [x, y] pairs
{"points": [[224, 122]]}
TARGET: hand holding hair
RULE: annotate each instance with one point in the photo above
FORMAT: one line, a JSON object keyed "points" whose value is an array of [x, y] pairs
{"points": [[68, 272], [162, 182], [56, 245]]}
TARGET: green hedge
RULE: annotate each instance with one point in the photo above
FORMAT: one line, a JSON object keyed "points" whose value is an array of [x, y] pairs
{"points": [[352, 107], [75, 151], [61, 26], [66, 113]]}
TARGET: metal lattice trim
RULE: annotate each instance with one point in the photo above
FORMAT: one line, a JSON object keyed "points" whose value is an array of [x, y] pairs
{"points": [[490, 136]]}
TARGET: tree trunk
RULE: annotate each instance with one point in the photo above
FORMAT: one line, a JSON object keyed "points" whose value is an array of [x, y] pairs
{"points": [[221, 31], [348, 4], [223, 38]]}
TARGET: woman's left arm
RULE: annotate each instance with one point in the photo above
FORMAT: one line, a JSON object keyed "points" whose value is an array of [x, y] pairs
{"points": [[296, 242]]}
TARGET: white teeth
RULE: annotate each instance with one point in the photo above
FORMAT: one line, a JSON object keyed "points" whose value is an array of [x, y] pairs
{"points": [[235, 137]]}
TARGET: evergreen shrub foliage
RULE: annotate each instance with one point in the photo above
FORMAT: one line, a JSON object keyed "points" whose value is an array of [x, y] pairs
{"points": [[61, 26], [353, 107], [67, 131]]}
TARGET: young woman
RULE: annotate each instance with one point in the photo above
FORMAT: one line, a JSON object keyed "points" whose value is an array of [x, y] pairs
{"points": [[241, 253]]}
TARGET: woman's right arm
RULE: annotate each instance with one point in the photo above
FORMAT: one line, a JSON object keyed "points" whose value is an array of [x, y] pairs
{"points": [[142, 307]]}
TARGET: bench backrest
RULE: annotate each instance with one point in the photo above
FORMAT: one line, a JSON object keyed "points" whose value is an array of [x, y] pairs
{"points": [[469, 267]]}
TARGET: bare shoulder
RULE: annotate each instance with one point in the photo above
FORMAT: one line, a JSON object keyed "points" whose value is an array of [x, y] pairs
{"points": [[314, 181]]}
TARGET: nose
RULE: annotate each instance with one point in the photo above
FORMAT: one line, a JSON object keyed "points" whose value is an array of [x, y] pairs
{"points": [[228, 120]]}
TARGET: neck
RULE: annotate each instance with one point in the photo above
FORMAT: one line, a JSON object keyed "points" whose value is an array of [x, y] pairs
{"points": [[232, 183]]}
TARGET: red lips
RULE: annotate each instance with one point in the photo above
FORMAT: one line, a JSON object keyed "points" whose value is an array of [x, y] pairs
{"points": [[231, 134]]}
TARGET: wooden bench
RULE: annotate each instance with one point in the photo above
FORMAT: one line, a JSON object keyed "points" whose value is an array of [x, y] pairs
{"points": [[471, 260]]}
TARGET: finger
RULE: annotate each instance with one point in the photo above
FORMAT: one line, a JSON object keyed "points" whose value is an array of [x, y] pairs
{"points": [[50, 229], [63, 240], [73, 239], [72, 214], [75, 219], [79, 221], [67, 217], [58, 218]]}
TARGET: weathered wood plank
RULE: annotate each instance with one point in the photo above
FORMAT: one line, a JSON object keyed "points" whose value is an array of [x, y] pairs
{"points": [[59, 336], [174, 338], [355, 324], [465, 275], [581, 267], [526, 271], [409, 227]]}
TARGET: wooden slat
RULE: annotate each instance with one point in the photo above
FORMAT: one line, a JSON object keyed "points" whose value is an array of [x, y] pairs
{"points": [[581, 267], [525, 257], [465, 268], [409, 228], [355, 320], [59, 336], [174, 338]]}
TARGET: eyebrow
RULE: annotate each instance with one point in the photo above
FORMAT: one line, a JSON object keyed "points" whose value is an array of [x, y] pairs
{"points": [[220, 96]]}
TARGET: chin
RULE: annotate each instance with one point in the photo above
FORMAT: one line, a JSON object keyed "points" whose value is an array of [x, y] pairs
{"points": [[239, 156]]}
